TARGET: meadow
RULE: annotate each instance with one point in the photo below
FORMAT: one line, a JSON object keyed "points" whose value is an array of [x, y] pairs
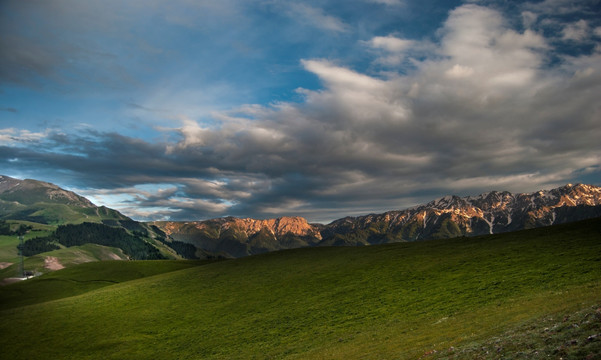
{"points": [[515, 295]]}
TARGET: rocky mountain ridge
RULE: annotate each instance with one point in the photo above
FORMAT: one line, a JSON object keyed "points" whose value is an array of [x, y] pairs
{"points": [[449, 216], [236, 237], [488, 213]]}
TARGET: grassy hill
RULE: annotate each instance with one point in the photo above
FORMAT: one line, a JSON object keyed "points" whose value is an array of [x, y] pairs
{"points": [[529, 294], [8, 243], [65, 257], [94, 233], [46, 203], [62, 257], [76, 244], [84, 278]]}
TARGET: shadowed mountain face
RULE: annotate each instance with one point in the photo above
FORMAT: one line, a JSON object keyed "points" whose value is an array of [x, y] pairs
{"points": [[447, 217]]}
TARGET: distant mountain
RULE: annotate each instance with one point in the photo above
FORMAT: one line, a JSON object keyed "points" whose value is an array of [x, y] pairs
{"points": [[29, 192], [235, 237], [450, 216], [46, 203]]}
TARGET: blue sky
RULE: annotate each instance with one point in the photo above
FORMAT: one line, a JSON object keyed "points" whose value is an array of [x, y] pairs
{"points": [[189, 110]]}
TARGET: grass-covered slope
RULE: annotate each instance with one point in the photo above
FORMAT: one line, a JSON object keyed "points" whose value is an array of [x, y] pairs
{"points": [[68, 245], [62, 258], [396, 301], [83, 278], [8, 243]]}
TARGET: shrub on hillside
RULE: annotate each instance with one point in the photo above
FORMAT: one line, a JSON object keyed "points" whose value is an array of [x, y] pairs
{"points": [[187, 251], [132, 245], [37, 246], [5, 228]]}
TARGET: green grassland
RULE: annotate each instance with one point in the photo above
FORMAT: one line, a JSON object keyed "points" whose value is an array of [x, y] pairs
{"points": [[458, 298], [8, 243], [66, 257], [83, 278]]}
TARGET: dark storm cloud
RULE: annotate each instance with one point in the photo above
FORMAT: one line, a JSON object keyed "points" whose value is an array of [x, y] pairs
{"points": [[54, 44], [24, 59]]}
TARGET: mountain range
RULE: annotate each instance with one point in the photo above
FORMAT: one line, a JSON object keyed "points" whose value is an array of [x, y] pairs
{"points": [[450, 216], [447, 217]]}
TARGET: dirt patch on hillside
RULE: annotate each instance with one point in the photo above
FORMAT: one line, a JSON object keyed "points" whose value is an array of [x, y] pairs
{"points": [[52, 263], [114, 256], [4, 265], [8, 281]]}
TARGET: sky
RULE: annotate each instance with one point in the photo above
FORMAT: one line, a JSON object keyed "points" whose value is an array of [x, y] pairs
{"points": [[191, 110]]}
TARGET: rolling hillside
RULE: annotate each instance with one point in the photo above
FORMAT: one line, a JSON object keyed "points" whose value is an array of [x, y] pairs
{"points": [[49, 247], [83, 278], [530, 294]]}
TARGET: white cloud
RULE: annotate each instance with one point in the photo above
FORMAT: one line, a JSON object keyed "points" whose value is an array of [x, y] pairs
{"points": [[10, 136], [477, 43], [529, 18], [388, 2], [316, 17], [6, 135], [555, 7], [390, 43], [340, 77], [350, 97], [458, 71], [194, 134], [394, 49], [577, 31]]}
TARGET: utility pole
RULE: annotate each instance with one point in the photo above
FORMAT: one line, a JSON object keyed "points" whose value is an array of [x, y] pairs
{"points": [[22, 264]]}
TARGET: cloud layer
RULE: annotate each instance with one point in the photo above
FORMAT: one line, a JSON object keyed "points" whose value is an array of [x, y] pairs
{"points": [[490, 102]]}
